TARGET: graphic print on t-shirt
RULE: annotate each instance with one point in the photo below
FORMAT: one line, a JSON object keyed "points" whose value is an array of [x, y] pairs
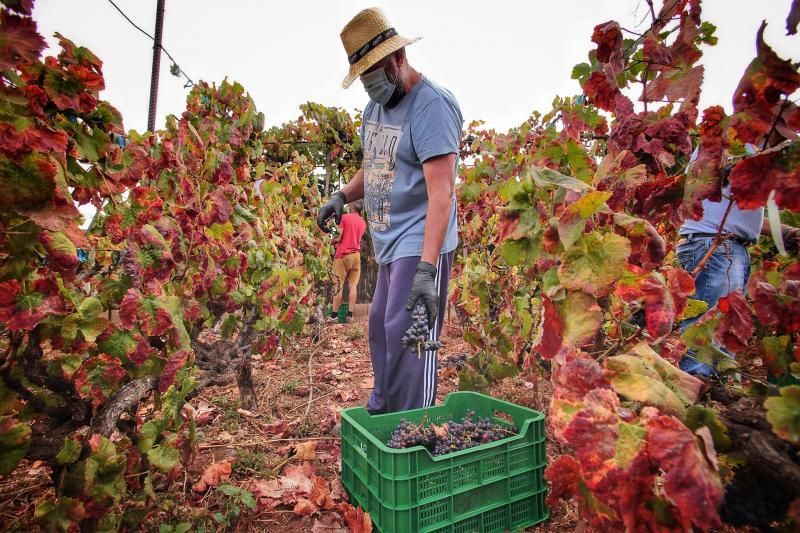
{"points": [[380, 160]]}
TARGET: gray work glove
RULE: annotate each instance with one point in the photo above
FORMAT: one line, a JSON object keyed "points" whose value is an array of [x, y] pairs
{"points": [[334, 207], [424, 288]]}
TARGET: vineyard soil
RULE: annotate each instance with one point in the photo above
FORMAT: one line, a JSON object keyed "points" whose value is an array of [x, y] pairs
{"points": [[340, 377]]}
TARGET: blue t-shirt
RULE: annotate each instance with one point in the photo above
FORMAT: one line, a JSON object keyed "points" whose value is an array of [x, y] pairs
{"points": [[744, 223], [424, 124]]}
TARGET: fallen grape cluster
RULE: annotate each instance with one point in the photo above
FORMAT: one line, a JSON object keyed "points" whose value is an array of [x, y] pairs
{"points": [[417, 334], [450, 436]]}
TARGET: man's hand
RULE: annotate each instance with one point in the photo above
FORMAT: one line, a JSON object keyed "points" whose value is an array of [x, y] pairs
{"points": [[791, 238], [424, 288], [332, 208]]}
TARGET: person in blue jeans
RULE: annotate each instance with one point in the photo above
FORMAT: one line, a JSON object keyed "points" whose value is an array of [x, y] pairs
{"points": [[411, 132], [728, 267]]}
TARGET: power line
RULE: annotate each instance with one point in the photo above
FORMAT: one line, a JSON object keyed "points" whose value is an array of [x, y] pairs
{"points": [[175, 69]]}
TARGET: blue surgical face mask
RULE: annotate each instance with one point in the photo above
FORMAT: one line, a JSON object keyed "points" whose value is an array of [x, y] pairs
{"points": [[378, 86]]}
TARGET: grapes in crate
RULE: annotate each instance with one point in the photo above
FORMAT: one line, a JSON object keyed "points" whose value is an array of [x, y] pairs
{"points": [[449, 436], [417, 335]]}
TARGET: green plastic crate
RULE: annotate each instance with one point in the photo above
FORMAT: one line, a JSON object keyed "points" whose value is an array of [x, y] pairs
{"points": [[344, 309], [497, 486]]}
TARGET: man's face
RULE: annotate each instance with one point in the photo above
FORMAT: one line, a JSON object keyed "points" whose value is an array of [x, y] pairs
{"points": [[394, 73]]}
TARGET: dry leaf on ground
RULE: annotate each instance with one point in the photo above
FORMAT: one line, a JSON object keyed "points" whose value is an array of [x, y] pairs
{"points": [[305, 451], [305, 507], [280, 429], [329, 523], [213, 474], [357, 520], [204, 413]]}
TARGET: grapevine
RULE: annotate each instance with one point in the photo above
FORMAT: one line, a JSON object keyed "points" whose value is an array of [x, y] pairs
{"points": [[196, 228], [569, 224]]}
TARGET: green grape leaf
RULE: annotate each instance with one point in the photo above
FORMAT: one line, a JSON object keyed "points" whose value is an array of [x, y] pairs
{"points": [[595, 263], [163, 457], [70, 452], [104, 471], [59, 515], [783, 413], [15, 437]]}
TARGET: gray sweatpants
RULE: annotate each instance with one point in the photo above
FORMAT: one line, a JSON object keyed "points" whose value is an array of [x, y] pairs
{"points": [[404, 379]]}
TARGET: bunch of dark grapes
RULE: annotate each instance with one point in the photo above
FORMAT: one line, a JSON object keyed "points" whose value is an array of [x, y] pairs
{"points": [[469, 432], [417, 335], [406, 435]]}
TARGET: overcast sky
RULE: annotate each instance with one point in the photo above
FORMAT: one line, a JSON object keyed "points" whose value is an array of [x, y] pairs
{"points": [[502, 59]]}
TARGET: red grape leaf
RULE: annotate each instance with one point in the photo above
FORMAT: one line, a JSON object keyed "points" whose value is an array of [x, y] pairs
{"points": [[61, 251], [21, 43], [608, 38], [17, 142], [577, 377], [552, 330], [53, 217], [602, 91], [28, 184], [23, 310], [736, 325], [691, 483], [677, 85], [175, 363], [129, 308], [305, 507], [98, 378], [685, 50], [647, 246], [658, 305], [655, 51], [766, 80], [564, 475], [703, 180], [753, 178], [72, 54], [8, 292], [681, 286], [20, 6]]}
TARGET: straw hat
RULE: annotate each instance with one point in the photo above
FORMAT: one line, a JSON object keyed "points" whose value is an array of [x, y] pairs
{"points": [[367, 39]]}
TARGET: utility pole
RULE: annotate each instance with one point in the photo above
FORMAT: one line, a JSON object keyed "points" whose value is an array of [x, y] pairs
{"points": [[151, 114]]}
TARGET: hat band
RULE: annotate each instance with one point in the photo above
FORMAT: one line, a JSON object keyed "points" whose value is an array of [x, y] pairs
{"points": [[356, 56]]}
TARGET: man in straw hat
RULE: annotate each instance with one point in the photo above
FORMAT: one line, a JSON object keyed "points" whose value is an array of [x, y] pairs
{"points": [[411, 133]]}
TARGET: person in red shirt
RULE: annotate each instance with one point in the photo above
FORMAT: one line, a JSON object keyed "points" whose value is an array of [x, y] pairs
{"points": [[347, 260]]}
